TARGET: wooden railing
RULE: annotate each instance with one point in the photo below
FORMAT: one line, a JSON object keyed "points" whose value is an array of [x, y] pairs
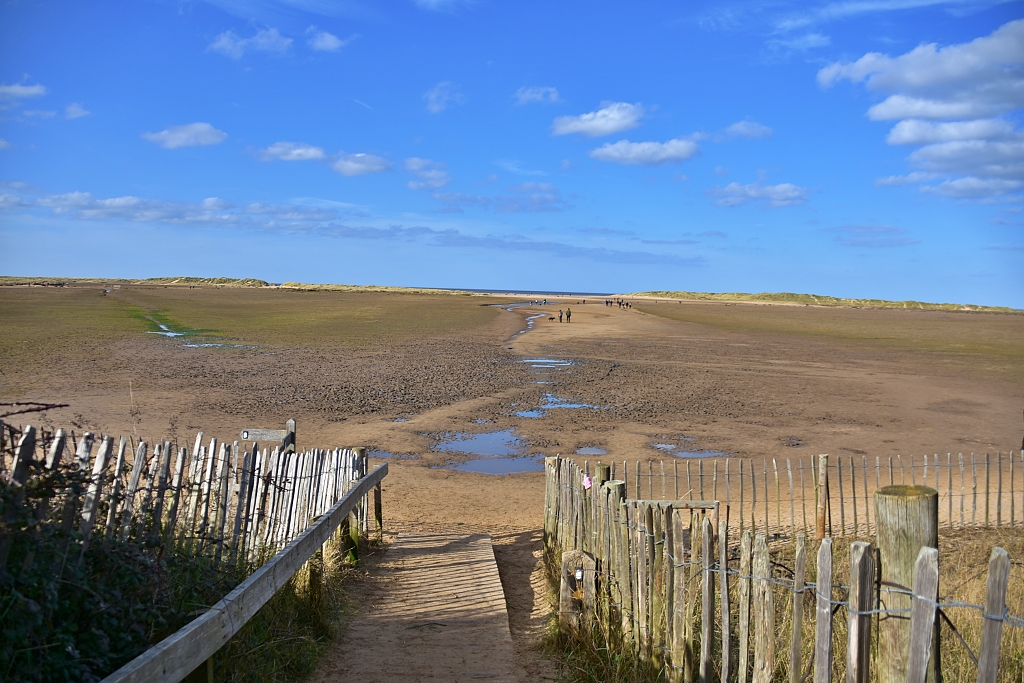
{"points": [[177, 656]]}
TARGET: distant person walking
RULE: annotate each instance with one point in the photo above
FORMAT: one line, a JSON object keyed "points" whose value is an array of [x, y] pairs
{"points": [[559, 315], [568, 315]]}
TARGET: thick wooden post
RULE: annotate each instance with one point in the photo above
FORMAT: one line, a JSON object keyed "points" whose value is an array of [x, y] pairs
{"points": [[862, 580], [907, 519], [577, 588], [995, 606], [823, 615], [378, 513], [764, 614]]}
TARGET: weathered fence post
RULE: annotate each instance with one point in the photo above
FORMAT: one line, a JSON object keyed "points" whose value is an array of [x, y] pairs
{"points": [[723, 589], [862, 581], [995, 607], [795, 643], [764, 614], [746, 547], [907, 519], [707, 597], [822, 496], [823, 615], [922, 614]]}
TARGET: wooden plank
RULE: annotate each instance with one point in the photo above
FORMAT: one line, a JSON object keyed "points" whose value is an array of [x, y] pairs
{"points": [[707, 598], [862, 579], [923, 633], [657, 583], [723, 590], [691, 597], [746, 548], [43, 506], [995, 608], [264, 435], [71, 506], [133, 487], [115, 494], [176, 656], [23, 458], [823, 615], [242, 506], [792, 500], [163, 478], [92, 496], [796, 635], [171, 521], [842, 503], [764, 614], [853, 487]]}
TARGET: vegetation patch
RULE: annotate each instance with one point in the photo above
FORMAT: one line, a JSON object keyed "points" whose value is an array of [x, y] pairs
{"points": [[822, 300]]}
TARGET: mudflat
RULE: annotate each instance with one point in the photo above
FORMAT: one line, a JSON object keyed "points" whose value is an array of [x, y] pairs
{"points": [[414, 377]]}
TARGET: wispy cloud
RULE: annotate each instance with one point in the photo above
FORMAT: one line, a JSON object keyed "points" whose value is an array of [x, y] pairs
{"points": [[430, 175], [20, 91], [612, 117], [39, 113], [783, 194], [291, 151], [646, 153], [4, 144], [537, 93], [521, 198], [513, 166], [751, 130], [360, 164], [230, 44], [441, 96], [322, 41], [876, 236], [970, 187], [802, 43], [317, 221], [76, 111], [190, 135]]}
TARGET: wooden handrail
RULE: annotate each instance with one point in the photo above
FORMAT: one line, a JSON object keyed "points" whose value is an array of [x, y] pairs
{"points": [[176, 656]]}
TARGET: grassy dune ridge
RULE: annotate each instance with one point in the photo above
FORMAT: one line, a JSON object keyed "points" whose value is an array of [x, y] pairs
{"points": [[821, 300]]}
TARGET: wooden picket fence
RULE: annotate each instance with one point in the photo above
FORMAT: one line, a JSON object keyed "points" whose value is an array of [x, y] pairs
{"points": [[665, 577], [219, 499], [236, 505], [779, 496]]}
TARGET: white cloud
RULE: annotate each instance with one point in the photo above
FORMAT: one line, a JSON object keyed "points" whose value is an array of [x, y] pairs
{"points": [[783, 194], [646, 153], [441, 96], [4, 144], [748, 129], [325, 42], [530, 197], [360, 164], [537, 93], [75, 111], [982, 78], [974, 188], [801, 43], [230, 44], [971, 85], [292, 151], [612, 117], [39, 114], [18, 91], [190, 135], [900, 180], [917, 132], [513, 166], [431, 174]]}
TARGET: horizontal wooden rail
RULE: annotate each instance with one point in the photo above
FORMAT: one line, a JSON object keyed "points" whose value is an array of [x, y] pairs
{"points": [[175, 657]]}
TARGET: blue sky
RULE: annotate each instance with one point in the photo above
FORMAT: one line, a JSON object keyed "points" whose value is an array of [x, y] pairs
{"points": [[868, 148]]}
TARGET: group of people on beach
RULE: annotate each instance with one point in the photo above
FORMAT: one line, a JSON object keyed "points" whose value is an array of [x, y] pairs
{"points": [[621, 302], [568, 314]]}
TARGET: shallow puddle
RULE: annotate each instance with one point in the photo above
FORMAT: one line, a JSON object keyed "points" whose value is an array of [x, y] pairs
{"points": [[166, 331], [530, 413], [547, 362], [591, 450], [552, 401], [493, 444]]}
